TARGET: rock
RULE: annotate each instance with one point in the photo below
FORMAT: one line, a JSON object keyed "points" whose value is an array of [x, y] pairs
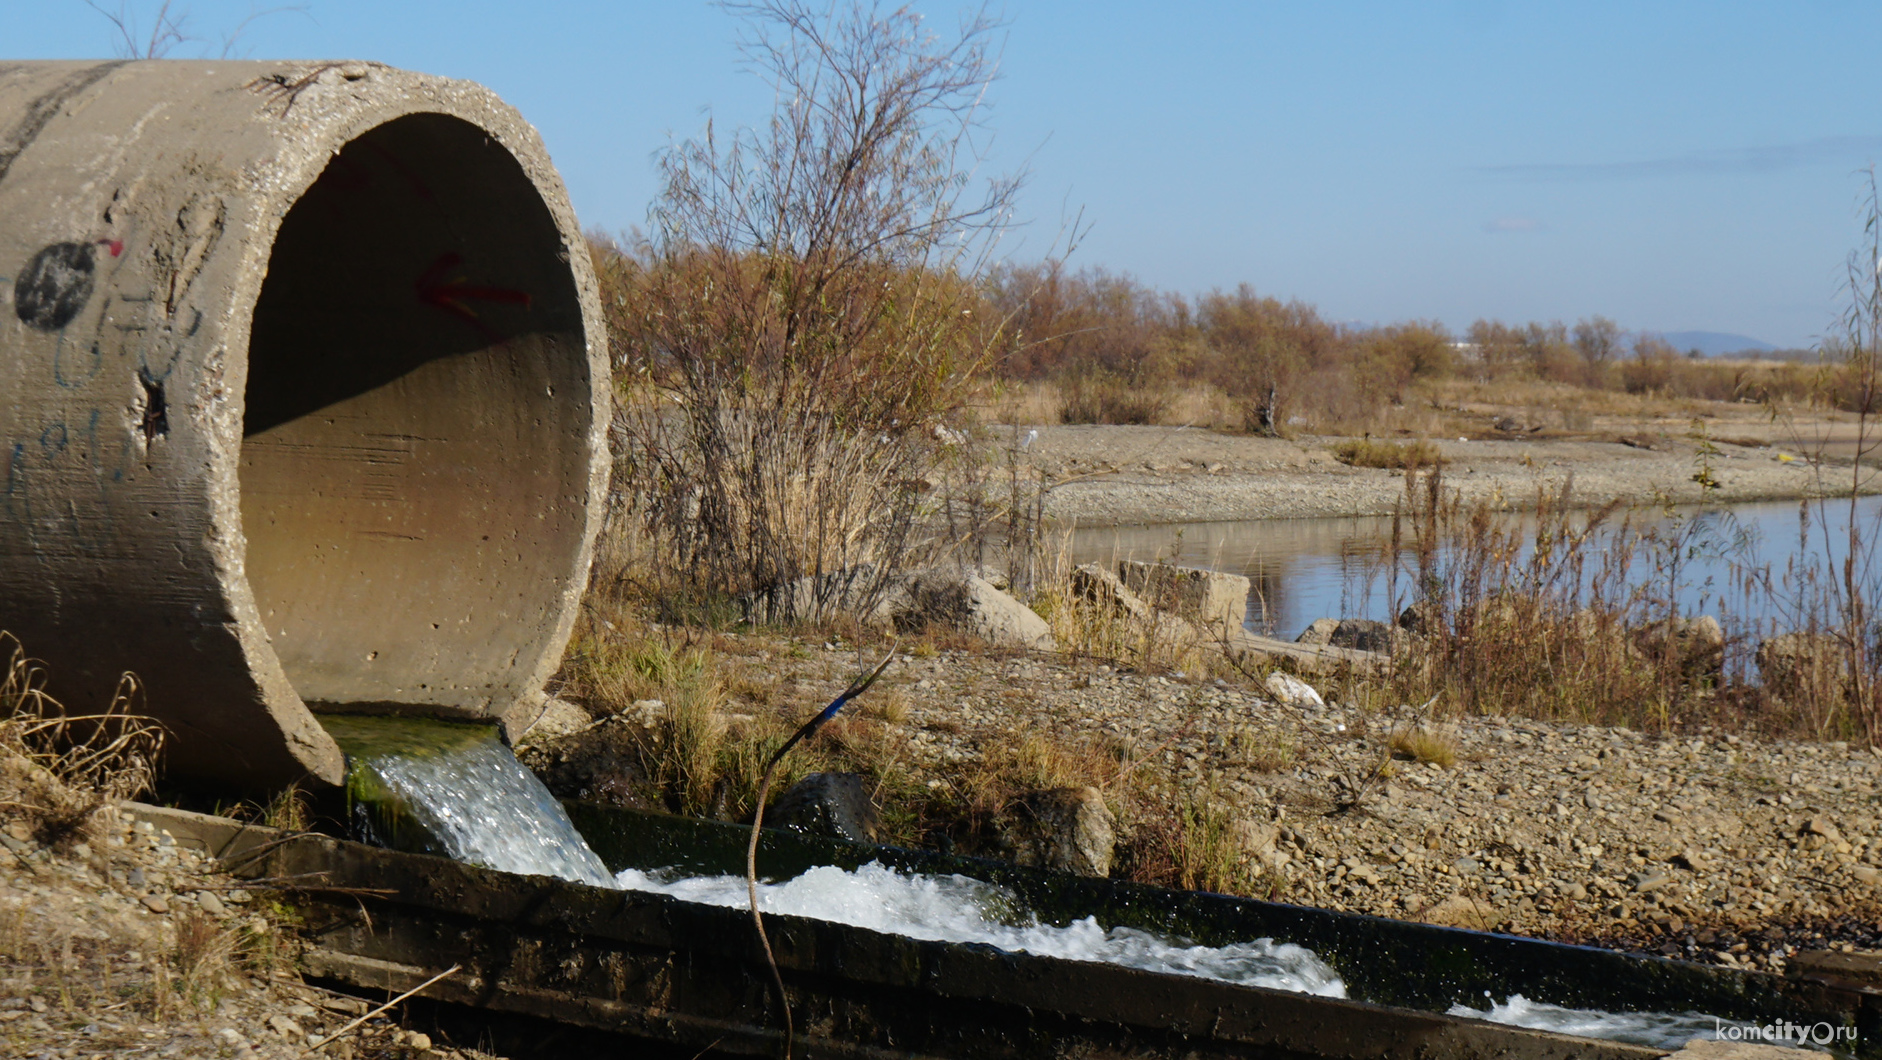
{"points": [[1692, 859], [862, 592], [835, 805], [1319, 631], [286, 1028], [552, 718], [1255, 837], [953, 596], [1359, 634], [1209, 599], [1461, 911], [1292, 691], [1648, 880], [1696, 645], [155, 903], [210, 904], [1805, 666], [1866, 875], [1419, 620], [1101, 586], [1822, 826], [418, 1041], [1713, 1049], [1068, 829], [969, 603]]}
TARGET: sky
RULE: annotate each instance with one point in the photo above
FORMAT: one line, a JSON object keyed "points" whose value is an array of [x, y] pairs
{"points": [[1672, 166]]}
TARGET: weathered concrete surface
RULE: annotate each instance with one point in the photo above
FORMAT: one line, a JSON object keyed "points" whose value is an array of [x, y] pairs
{"points": [[1215, 601], [301, 398]]}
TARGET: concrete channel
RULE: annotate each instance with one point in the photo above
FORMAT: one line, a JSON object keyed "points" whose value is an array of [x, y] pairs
{"points": [[651, 967], [303, 400]]}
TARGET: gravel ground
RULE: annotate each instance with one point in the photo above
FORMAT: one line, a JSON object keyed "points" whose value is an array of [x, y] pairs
{"points": [[1130, 475], [83, 932], [1712, 847]]}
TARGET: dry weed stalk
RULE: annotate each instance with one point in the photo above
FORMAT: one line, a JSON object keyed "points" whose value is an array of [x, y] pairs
{"points": [[65, 766]]}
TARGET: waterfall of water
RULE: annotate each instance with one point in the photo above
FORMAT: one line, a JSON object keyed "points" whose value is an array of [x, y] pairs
{"points": [[457, 791]]}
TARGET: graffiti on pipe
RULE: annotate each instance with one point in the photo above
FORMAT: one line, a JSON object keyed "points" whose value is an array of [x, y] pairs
{"points": [[51, 290]]}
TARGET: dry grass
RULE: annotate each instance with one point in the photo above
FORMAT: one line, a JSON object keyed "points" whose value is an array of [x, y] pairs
{"points": [[62, 774], [1033, 402], [1534, 615], [1424, 744], [1091, 620], [1262, 750], [1366, 452], [57, 769], [1193, 845]]}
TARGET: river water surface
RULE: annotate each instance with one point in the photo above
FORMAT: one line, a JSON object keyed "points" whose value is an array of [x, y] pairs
{"points": [[1306, 569]]}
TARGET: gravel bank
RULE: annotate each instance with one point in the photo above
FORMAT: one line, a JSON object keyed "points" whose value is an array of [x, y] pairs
{"points": [[1731, 850], [1131, 475]]}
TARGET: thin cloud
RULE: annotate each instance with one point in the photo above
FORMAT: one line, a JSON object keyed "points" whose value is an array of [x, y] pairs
{"points": [[1513, 224], [1830, 150]]}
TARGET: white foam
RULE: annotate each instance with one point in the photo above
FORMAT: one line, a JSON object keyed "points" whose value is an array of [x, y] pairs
{"points": [[959, 909], [1661, 1030]]}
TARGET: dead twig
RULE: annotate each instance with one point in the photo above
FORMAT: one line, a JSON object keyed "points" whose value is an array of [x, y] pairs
{"points": [[254, 853], [348, 1029]]}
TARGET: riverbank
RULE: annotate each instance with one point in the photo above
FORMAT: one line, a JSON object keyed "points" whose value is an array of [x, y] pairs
{"points": [[1121, 475]]}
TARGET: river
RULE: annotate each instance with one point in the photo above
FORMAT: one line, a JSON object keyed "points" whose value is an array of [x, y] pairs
{"points": [[1305, 569]]}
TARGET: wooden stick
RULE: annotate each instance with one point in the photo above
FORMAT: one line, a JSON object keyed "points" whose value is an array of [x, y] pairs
{"points": [[348, 1029]]}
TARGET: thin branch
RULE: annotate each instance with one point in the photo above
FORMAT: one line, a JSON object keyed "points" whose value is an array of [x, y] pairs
{"points": [[349, 1028]]}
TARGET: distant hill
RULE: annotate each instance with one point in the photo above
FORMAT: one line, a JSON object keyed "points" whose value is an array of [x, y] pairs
{"points": [[1714, 343]]}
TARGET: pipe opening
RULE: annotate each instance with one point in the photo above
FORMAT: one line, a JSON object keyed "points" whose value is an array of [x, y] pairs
{"points": [[414, 472]]}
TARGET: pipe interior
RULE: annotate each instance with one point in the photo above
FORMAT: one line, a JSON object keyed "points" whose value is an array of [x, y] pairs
{"points": [[414, 472]]}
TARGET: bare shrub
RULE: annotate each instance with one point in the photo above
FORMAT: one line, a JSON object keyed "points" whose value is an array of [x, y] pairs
{"points": [[1099, 397], [804, 315]]}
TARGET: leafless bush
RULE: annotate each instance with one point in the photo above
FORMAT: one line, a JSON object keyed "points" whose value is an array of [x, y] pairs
{"points": [[800, 325]]}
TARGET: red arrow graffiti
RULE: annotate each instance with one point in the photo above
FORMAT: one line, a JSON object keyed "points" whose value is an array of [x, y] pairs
{"points": [[454, 294]]}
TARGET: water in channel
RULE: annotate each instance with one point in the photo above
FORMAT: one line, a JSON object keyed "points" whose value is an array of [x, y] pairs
{"points": [[455, 790]]}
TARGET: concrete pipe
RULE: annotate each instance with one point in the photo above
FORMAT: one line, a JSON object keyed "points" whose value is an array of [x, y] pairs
{"points": [[303, 399]]}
